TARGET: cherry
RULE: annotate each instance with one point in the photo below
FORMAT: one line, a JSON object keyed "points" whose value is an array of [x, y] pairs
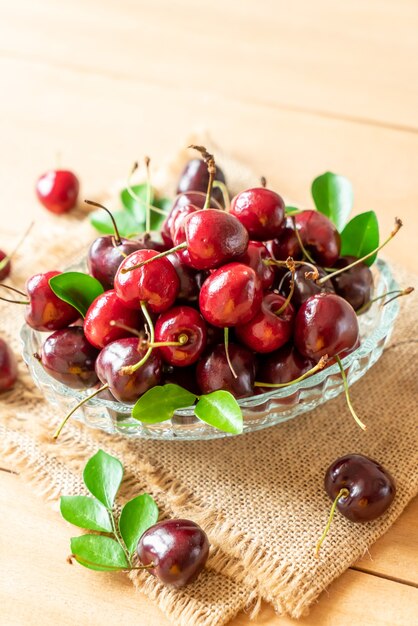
{"points": [[195, 177], [355, 285], [5, 265], [190, 280], [268, 330], [183, 376], [283, 366], [261, 211], [214, 372], [360, 488], [231, 295], [121, 354], [68, 357], [156, 283], [319, 236], [287, 244], [8, 367], [304, 287], [196, 199], [254, 256], [103, 311], [185, 327], [58, 190], [325, 325]]}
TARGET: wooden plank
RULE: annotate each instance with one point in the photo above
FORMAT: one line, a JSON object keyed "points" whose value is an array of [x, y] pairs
{"points": [[349, 59], [101, 124]]}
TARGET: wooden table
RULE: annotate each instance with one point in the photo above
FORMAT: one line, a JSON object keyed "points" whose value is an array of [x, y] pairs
{"points": [[293, 88]]}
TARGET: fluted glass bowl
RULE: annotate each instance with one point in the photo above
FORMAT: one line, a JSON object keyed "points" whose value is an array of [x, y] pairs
{"points": [[260, 411]]}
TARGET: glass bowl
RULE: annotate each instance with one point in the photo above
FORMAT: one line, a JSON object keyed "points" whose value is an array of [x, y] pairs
{"points": [[260, 411]]}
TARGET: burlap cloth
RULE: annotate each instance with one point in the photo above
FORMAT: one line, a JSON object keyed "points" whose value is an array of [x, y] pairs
{"points": [[260, 496]]}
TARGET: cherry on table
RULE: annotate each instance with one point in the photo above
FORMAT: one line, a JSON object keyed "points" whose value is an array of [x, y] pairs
{"points": [[99, 322], [57, 190], [178, 550], [8, 367], [184, 326], [213, 371], [261, 211], [356, 284]]}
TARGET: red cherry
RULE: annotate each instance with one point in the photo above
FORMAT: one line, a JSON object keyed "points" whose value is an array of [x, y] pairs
{"points": [[213, 371], [287, 244], [231, 295], [155, 283], [181, 202], [103, 310], [8, 367], [45, 310], [261, 211], [319, 236], [175, 324], [6, 269], [58, 190], [267, 331], [254, 256], [106, 254], [325, 324]]}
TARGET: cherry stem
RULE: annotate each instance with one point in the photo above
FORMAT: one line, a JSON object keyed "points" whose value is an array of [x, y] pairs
{"points": [[210, 162], [399, 293], [263, 182], [312, 275], [111, 568], [298, 237], [130, 369], [347, 394], [319, 366], [228, 358], [118, 239], [182, 340], [137, 198], [398, 225], [77, 406], [291, 265], [161, 255], [343, 493], [7, 258], [148, 197], [21, 293], [134, 331], [218, 184]]}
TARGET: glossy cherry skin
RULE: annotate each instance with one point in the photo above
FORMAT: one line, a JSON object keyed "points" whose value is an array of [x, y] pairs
{"points": [[4, 271], [287, 243], [181, 202], [183, 376], [304, 287], [105, 255], [45, 310], [8, 367], [261, 211], [176, 322], [231, 295], [213, 371], [190, 279], [195, 177], [178, 232], [156, 283], [319, 236], [254, 256], [356, 284], [266, 331], [178, 548], [104, 309], [68, 357], [123, 353], [58, 190], [371, 488], [325, 324], [283, 366], [213, 237]]}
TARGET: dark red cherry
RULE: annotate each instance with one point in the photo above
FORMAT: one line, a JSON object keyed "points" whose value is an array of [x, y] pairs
{"points": [[45, 310], [6, 268], [325, 324], [178, 549], [8, 367], [181, 323], [58, 190], [254, 256], [287, 243], [356, 284], [183, 376], [261, 211], [283, 366], [105, 309], [304, 287], [146, 242], [156, 283], [213, 371], [190, 280], [371, 489], [267, 331], [124, 353], [195, 177], [68, 357], [319, 236], [106, 254], [231, 295]]}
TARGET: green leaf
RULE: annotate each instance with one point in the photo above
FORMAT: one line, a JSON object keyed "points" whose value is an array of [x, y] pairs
{"points": [[156, 218], [361, 236], [292, 210], [77, 289], [105, 552], [159, 403], [137, 208], [221, 410], [126, 222], [333, 196], [85, 512], [103, 476], [136, 517]]}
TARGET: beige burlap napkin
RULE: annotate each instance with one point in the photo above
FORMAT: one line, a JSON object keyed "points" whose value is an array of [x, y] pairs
{"points": [[260, 496]]}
